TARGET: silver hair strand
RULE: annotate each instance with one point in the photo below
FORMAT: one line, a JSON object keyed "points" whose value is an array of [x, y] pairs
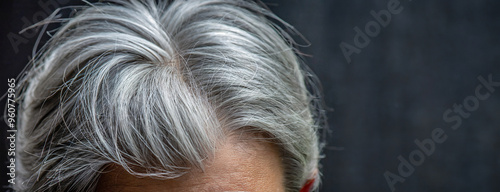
{"points": [[154, 86]]}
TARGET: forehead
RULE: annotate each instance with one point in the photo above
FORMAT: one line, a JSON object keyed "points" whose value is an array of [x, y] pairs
{"points": [[235, 166]]}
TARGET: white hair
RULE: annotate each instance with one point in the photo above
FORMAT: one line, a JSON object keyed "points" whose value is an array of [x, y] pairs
{"points": [[154, 86]]}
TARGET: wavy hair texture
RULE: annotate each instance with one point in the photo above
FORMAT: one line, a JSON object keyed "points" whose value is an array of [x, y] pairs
{"points": [[154, 86]]}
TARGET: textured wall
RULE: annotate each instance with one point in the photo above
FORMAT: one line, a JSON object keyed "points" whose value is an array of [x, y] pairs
{"points": [[422, 65], [426, 59]]}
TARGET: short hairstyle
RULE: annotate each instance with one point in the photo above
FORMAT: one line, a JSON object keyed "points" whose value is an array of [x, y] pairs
{"points": [[153, 86]]}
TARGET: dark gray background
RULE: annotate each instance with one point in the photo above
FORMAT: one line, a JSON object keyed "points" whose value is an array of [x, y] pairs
{"points": [[394, 91]]}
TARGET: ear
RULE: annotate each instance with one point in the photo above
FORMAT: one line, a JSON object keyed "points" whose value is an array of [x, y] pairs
{"points": [[308, 185]]}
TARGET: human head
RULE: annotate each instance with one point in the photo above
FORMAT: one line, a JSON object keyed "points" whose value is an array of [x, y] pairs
{"points": [[154, 87]]}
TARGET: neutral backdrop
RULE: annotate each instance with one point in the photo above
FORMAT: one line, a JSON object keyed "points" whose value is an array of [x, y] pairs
{"points": [[428, 57]]}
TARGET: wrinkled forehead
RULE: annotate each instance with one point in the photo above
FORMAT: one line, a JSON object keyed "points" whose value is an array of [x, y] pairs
{"points": [[239, 164]]}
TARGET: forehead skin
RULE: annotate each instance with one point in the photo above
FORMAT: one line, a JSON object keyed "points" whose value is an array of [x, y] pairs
{"points": [[237, 166]]}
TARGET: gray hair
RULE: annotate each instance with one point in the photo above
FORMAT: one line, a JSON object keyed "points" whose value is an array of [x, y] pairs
{"points": [[154, 86]]}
